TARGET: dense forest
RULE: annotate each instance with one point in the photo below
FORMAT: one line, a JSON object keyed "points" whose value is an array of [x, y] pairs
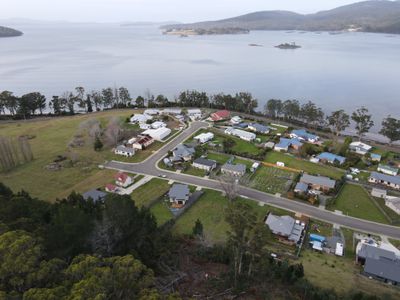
{"points": [[78, 249], [368, 16], [9, 32]]}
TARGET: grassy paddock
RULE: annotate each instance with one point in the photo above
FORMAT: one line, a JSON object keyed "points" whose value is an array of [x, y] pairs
{"points": [[150, 191], [271, 180], [353, 200], [51, 138], [309, 167], [210, 210]]}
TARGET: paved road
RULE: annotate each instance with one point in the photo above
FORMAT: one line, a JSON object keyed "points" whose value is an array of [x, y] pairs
{"points": [[149, 167]]}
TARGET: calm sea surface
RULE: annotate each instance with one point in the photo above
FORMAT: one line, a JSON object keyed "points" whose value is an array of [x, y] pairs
{"points": [[336, 71]]}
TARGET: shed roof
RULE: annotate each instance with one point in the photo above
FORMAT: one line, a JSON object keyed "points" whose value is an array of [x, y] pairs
{"points": [[240, 168]]}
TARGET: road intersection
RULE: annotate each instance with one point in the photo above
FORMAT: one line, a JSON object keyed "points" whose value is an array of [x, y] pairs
{"points": [[150, 167]]}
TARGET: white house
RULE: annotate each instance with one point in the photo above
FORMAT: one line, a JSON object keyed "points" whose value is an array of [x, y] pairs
{"points": [[204, 137], [144, 126], [158, 124], [140, 118], [194, 114], [123, 180], [204, 164], [158, 134], [124, 151], [236, 120], [172, 111], [303, 135], [244, 135], [360, 148], [388, 170], [152, 112]]}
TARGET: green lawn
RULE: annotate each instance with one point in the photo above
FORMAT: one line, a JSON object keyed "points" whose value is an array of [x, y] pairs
{"points": [[394, 217], [219, 157], [150, 192], [161, 212], [306, 166], [353, 200], [194, 171], [271, 180], [209, 209]]}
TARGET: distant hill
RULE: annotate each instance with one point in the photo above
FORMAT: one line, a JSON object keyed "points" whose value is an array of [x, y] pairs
{"points": [[368, 16], [9, 32]]}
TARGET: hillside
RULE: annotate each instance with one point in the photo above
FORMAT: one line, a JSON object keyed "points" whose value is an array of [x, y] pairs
{"points": [[368, 16], [9, 32]]}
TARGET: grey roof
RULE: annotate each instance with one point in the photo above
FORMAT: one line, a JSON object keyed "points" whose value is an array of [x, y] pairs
{"points": [[183, 150], [240, 168], [125, 149], [205, 162], [280, 225], [296, 233], [95, 195], [387, 178], [260, 127], [301, 186], [318, 180], [369, 251], [179, 192], [384, 268]]}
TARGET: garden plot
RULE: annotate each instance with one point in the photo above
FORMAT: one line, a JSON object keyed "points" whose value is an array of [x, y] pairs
{"points": [[272, 180]]}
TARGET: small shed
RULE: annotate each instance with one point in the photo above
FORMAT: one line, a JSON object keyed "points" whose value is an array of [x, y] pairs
{"points": [[317, 238]]}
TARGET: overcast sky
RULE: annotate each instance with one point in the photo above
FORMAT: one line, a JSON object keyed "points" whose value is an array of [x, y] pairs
{"points": [[152, 10]]}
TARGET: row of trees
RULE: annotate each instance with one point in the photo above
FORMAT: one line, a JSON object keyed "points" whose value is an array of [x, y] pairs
{"points": [[14, 152], [309, 113]]}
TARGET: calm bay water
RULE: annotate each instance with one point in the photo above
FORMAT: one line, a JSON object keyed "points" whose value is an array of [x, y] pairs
{"points": [[335, 71]]}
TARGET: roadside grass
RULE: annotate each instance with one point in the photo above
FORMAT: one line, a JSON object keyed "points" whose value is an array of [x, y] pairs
{"points": [[306, 166], [194, 171], [353, 200], [210, 210], [51, 136], [341, 274], [146, 194], [271, 180], [320, 228], [161, 212], [395, 243]]}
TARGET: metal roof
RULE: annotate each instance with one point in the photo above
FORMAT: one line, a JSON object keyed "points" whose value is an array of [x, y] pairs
{"points": [[387, 178], [318, 180], [240, 168], [179, 192], [331, 157], [384, 268], [205, 162]]}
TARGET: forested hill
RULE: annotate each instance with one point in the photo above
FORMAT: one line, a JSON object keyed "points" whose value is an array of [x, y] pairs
{"points": [[368, 16], [9, 32]]}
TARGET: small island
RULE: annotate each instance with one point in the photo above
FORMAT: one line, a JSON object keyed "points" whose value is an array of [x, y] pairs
{"points": [[288, 46], [184, 32], [9, 32], [255, 45]]}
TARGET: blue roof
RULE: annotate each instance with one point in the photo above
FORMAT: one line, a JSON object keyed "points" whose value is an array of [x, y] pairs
{"points": [[304, 134], [316, 237], [330, 157], [242, 125], [285, 143], [387, 178], [374, 155], [301, 186]]}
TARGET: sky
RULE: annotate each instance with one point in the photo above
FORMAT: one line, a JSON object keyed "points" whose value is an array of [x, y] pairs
{"points": [[152, 10]]}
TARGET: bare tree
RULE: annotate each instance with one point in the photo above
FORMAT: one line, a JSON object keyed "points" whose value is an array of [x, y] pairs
{"points": [[113, 132], [229, 185]]}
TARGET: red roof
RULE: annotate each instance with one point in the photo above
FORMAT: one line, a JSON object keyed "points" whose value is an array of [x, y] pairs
{"points": [[111, 187], [144, 139], [122, 177], [220, 115]]}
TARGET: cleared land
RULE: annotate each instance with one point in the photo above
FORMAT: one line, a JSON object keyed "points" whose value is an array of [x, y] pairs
{"points": [[50, 139], [353, 200], [210, 210], [306, 166], [146, 194], [161, 212], [271, 180], [341, 275]]}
